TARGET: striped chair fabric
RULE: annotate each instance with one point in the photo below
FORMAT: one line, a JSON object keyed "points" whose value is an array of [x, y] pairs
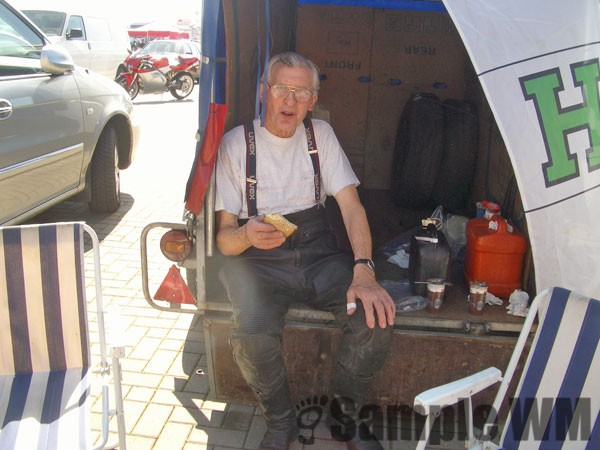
{"points": [[558, 398], [44, 340]]}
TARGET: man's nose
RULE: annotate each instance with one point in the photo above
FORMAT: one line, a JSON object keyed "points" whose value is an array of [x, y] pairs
{"points": [[290, 98]]}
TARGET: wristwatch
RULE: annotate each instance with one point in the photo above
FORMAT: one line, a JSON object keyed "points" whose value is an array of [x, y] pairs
{"points": [[368, 262]]}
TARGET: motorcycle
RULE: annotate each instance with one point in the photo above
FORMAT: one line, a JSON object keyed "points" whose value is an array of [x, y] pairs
{"points": [[150, 75]]}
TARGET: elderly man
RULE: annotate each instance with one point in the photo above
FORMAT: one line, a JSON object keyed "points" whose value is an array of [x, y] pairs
{"points": [[289, 166]]}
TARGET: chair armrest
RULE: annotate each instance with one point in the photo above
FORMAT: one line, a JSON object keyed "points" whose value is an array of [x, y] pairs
{"points": [[435, 399]]}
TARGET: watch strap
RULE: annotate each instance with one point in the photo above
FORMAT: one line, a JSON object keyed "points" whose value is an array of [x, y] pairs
{"points": [[368, 262]]}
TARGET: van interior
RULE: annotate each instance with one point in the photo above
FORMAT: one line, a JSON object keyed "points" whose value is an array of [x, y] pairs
{"points": [[398, 87]]}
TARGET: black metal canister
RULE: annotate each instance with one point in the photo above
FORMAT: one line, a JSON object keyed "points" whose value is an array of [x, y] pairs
{"points": [[429, 258]]}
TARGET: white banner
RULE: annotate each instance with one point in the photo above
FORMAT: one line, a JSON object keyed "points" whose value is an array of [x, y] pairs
{"points": [[538, 62]]}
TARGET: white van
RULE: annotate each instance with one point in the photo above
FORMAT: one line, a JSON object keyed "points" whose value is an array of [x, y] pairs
{"points": [[94, 42]]}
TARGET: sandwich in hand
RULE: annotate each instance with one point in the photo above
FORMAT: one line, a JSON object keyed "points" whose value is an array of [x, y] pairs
{"points": [[281, 223]]}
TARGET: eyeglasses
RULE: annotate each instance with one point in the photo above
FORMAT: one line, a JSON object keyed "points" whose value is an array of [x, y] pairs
{"points": [[301, 94]]}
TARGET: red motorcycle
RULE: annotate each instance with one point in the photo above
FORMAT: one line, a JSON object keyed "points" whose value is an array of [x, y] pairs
{"points": [[150, 75]]}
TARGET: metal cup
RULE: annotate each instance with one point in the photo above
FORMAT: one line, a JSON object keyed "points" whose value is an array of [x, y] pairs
{"points": [[477, 293], [435, 294]]}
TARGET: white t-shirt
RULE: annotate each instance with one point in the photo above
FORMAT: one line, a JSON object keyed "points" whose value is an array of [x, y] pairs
{"points": [[284, 170]]}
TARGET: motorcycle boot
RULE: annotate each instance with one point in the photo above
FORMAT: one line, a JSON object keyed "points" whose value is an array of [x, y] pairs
{"points": [[260, 360], [346, 421]]}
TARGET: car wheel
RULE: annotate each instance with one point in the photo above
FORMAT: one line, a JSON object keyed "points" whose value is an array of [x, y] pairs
{"points": [[105, 174], [182, 85]]}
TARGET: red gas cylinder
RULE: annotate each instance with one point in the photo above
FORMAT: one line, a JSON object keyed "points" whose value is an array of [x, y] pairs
{"points": [[495, 253], [477, 222]]}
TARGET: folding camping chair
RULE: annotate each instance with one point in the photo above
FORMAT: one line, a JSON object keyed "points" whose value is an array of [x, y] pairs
{"points": [[45, 357], [557, 400]]}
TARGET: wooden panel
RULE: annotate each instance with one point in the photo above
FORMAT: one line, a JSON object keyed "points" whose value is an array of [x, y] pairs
{"points": [[417, 361]]}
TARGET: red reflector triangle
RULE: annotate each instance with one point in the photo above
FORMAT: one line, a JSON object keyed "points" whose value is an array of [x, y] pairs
{"points": [[173, 288]]}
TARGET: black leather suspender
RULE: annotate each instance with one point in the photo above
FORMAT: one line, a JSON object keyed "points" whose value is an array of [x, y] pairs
{"points": [[250, 168], [314, 156], [251, 180]]}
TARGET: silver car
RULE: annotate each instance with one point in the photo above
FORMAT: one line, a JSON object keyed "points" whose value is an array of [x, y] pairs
{"points": [[63, 130]]}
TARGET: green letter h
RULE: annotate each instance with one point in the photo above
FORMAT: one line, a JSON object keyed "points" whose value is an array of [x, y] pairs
{"points": [[557, 123]]}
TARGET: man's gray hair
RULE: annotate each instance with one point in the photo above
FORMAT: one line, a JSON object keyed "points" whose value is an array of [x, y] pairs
{"points": [[293, 59]]}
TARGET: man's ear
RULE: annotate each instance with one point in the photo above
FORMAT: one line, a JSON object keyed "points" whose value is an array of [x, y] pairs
{"points": [[313, 102], [261, 91]]}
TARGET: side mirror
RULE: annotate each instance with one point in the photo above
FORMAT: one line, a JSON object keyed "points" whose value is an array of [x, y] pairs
{"points": [[56, 60], [75, 33]]}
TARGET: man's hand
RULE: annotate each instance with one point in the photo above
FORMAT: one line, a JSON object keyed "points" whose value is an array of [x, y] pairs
{"points": [[262, 235], [375, 299], [234, 240]]}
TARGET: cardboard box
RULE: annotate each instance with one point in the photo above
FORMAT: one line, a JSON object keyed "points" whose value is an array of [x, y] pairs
{"points": [[371, 61], [413, 52], [338, 40]]}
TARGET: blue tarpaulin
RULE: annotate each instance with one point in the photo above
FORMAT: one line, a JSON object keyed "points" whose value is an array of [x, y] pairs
{"points": [[416, 5]]}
